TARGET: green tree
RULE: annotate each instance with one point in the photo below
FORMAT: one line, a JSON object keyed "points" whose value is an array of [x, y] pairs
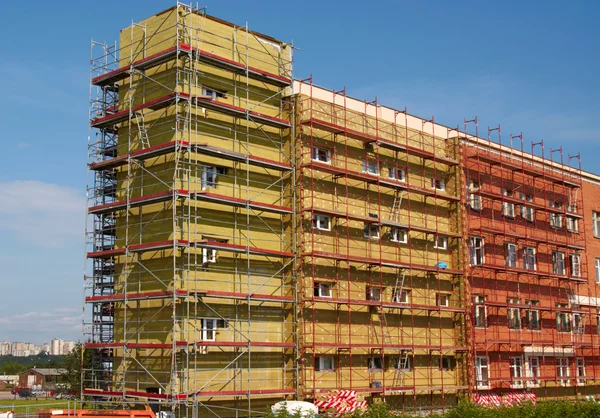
{"points": [[74, 364]]}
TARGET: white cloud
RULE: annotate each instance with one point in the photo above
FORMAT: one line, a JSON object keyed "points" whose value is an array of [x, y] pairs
{"points": [[61, 322], [45, 214]]}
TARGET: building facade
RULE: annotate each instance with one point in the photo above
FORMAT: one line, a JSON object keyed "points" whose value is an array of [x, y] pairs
{"points": [[257, 238]]}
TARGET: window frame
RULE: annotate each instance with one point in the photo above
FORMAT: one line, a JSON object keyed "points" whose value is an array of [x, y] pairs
{"points": [[508, 208], [513, 314], [371, 230], [516, 372], [473, 250], [318, 218], [444, 242], [480, 311], [400, 295], [596, 223], [369, 293], [319, 288], [482, 363], [367, 168], [562, 370], [319, 364], [394, 171], [580, 367], [530, 313], [597, 265], [442, 297], [528, 256], [575, 265], [396, 232], [572, 224], [533, 371], [507, 257], [558, 262], [316, 151], [372, 364]]}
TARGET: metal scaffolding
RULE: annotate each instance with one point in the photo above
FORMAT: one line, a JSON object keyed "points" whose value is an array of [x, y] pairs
{"points": [[191, 199]]}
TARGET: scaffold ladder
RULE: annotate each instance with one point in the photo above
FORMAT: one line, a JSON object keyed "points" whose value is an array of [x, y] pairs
{"points": [[395, 212], [142, 130], [399, 285], [399, 372]]}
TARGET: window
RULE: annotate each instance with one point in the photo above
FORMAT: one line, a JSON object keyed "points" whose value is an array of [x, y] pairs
{"points": [[324, 364], [558, 262], [572, 207], [514, 314], [441, 243], [563, 319], [212, 93], [370, 167], [371, 230], [554, 204], [446, 363], [562, 370], [209, 326], [597, 270], [510, 259], [321, 154], [375, 364], [508, 208], [402, 363], [476, 251], [208, 177], [532, 315], [572, 224], [473, 198], [596, 223], [526, 211], [533, 370], [482, 378], [323, 290], [322, 222], [209, 255], [438, 184], [480, 311], [399, 235], [373, 293], [442, 299], [529, 261], [580, 364], [400, 296], [575, 265], [396, 173], [556, 220], [516, 371], [578, 326]]}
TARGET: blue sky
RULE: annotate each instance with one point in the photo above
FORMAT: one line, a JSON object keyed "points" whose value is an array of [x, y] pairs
{"points": [[527, 65]]}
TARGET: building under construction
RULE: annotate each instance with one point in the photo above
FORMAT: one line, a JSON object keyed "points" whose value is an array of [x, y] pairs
{"points": [[255, 238]]}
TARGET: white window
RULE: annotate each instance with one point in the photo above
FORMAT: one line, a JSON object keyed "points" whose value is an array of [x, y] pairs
{"points": [[482, 377], [526, 211], [572, 207], [580, 364], [441, 243], [480, 311], [209, 255], [438, 184], [558, 262], [212, 93], [532, 315], [508, 208], [402, 363], [510, 259], [208, 177], [209, 328], [596, 223], [322, 222], [396, 173], [323, 290], [514, 314], [442, 299], [374, 293], [375, 364], [516, 371], [578, 326], [575, 265], [529, 259], [474, 199], [321, 154], [324, 364], [370, 167], [400, 296], [476, 253], [563, 319], [556, 220], [598, 270], [572, 224], [562, 370], [533, 371], [399, 235], [446, 363]]}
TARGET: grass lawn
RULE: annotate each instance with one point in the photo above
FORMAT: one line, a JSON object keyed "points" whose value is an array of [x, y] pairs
{"points": [[33, 404]]}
